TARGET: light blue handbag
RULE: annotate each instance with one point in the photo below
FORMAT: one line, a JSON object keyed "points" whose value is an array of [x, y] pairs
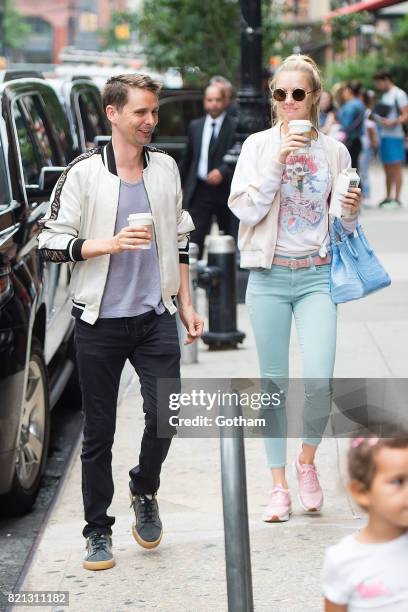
{"points": [[355, 270]]}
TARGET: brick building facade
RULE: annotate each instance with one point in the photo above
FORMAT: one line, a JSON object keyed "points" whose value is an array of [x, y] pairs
{"points": [[59, 23]]}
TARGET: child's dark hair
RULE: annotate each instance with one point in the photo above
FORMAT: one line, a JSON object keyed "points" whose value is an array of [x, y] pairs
{"points": [[362, 456]]}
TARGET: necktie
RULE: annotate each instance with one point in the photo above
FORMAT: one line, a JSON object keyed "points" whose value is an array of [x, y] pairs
{"points": [[211, 147]]}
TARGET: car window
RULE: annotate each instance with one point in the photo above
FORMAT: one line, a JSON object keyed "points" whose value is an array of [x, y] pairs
{"points": [[4, 186], [192, 109], [171, 120], [29, 155], [91, 117], [60, 126], [40, 131]]}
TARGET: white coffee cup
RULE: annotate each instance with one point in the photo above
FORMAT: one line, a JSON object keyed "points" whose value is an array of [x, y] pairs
{"points": [[302, 127], [141, 220]]}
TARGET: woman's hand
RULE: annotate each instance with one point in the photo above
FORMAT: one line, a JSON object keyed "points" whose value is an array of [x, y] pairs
{"points": [[351, 202], [289, 144]]}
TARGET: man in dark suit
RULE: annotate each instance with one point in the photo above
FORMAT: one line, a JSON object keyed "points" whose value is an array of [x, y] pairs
{"points": [[206, 179], [226, 86]]}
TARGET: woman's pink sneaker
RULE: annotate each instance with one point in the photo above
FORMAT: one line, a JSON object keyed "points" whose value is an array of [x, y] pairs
{"points": [[310, 491], [279, 508]]}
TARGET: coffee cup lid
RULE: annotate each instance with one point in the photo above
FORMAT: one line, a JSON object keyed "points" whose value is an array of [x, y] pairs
{"points": [[300, 122], [135, 216]]}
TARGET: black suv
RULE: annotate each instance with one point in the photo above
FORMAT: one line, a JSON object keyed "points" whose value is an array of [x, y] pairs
{"points": [[36, 356], [82, 103], [177, 108]]}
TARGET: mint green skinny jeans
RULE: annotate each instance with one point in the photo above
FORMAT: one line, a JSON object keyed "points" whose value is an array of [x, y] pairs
{"points": [[272, 297]]}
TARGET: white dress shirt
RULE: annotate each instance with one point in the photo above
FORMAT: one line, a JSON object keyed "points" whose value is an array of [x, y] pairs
{"points": [[202, 170]]}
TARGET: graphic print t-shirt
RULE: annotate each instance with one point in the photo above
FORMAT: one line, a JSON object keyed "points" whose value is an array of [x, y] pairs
{"points": [[303, 216]]}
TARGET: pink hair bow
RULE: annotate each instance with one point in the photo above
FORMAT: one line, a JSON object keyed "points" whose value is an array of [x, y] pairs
{"points": [[370, 441]]}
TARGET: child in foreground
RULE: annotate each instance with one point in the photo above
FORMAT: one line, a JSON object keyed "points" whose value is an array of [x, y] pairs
{"points": [[369, 570]]}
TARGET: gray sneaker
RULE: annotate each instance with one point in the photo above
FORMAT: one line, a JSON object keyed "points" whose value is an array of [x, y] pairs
{"points": [[147, 527], [98, 554]]}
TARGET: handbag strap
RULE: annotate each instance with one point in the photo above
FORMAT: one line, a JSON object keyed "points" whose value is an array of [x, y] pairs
{"points": [[337, 228]]}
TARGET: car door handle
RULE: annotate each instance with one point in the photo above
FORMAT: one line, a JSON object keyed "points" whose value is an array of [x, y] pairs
{"points": [[6, 234]]}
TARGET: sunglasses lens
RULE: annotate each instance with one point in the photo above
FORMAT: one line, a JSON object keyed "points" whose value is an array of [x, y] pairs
{"points": [[279, 95], [298, 95]]}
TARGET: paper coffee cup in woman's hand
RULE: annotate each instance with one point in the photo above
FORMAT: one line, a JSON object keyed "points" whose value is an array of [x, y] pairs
{"points": [[303, 127], [142, 220]]}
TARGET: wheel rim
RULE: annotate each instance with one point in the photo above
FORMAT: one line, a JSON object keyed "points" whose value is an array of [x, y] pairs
{"points": [[31, 442]]}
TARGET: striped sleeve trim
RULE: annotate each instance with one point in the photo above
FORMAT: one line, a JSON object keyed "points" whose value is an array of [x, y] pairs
{"points": [[55, 255], [75, 248], [184, 253], [56, 203]]}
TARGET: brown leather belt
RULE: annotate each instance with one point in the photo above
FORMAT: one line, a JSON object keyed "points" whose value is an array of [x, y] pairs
{"points": [[304, 262]]}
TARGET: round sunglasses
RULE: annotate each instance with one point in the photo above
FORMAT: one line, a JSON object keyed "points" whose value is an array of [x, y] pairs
{"points": [[298, 94]]}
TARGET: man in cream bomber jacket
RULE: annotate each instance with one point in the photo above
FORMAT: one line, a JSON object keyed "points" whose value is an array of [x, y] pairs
{"points": [[123, 283], [255, 193]]}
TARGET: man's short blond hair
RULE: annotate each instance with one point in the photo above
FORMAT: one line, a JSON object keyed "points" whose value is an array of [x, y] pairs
{"points": [[115, 92]]}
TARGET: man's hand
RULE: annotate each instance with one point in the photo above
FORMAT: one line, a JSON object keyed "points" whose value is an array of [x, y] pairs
{"points": [[193, 323], [130, 239], [214, 177], [389, 122]]}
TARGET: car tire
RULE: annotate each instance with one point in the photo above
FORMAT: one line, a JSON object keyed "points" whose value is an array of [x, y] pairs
{"points": [[33, 439]]}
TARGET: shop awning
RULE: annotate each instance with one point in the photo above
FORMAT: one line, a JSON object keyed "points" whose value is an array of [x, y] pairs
{"points": [[366, 5]]}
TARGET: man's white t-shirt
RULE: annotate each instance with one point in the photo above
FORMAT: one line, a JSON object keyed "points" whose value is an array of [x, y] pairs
{"points": [[367, 576], [396, 98]]}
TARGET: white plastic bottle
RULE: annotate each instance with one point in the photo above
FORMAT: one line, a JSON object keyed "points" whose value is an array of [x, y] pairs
{"points": [[346, 179]]}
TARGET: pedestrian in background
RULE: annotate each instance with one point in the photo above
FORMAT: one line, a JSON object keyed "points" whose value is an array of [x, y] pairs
{"points": [[351, 115], [331, 126], [123, 298], [228, 90], [284, 241], [367, 570], [391, 114], [369, 145], [327, 114], [205, 177]]}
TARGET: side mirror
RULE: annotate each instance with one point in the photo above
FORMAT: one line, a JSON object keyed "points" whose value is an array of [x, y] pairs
{"points": [[47, 180], [49, 176], [99, 141]]}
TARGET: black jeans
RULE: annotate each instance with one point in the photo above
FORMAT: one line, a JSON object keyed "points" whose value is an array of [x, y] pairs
{"points": [[151, 344]]}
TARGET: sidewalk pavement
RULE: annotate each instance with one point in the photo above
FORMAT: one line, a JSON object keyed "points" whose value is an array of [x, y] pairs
{"points": [[187, 570]]}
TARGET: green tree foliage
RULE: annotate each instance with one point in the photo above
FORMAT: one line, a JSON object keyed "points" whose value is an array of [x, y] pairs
{"points": [[202, 38], [344, 27], [360, 69], [391, 55], [394, 53], [191, 35], [15, 27]]}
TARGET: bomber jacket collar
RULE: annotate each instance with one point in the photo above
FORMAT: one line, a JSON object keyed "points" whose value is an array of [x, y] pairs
{"points": [[108, 157]]}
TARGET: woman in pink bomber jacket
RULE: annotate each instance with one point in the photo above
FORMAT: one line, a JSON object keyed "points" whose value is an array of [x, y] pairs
{"points": [[280, 192]]}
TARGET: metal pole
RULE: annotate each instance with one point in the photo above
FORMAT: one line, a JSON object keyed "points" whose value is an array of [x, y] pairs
{"points": [[252, 103], [235, 509]]}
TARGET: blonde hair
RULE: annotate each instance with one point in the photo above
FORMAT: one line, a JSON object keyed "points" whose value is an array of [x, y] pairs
{"points": [[300, 63]]}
